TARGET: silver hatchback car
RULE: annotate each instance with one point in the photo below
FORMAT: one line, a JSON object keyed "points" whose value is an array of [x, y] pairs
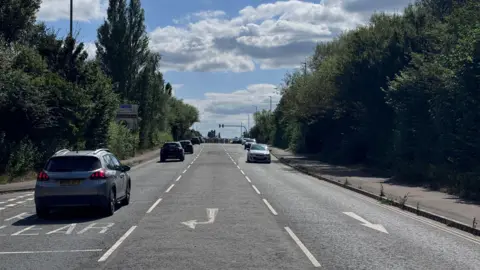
{"points": [[82, 178]]}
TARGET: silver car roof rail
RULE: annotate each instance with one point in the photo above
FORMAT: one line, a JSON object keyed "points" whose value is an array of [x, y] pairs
{"points": [[63, 151], [101, 149]]}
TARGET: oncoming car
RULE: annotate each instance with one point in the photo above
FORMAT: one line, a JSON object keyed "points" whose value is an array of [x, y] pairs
{"points": [[82, 178], [259, 153]]}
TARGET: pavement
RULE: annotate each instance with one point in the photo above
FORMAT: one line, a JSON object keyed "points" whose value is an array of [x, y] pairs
{"points": [[30, 185], [437, 203], [215, 211]]}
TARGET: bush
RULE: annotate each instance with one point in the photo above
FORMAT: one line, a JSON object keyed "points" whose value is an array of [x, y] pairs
{"points": [[22, 158], [121, 141], [160, 137]]}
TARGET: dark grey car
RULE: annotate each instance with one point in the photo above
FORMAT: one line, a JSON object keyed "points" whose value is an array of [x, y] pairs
{"points": [[82, 178]]}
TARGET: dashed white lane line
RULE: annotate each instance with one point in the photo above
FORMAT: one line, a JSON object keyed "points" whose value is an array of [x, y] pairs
{"points": [[153, 206], [188, 167], [256, 189], [48, 251], [178, 178], [242, 172], [238, 167], [303, 248], [184, 171], [270, 207], [10, 205], [169, 188], [116, 245], [2, 208], [248, 179]]}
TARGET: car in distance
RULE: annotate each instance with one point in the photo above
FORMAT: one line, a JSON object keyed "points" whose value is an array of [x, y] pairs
{"points": [[196, 140], [249, 142], [259, 153], [82, 178], [172, 150], [187, 146]]}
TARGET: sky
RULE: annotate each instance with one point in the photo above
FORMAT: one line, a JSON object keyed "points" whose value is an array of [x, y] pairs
{"points": [[227, 57]]}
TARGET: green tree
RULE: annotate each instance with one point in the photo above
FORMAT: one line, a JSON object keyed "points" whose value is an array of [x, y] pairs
{"points": [[17, 17]]}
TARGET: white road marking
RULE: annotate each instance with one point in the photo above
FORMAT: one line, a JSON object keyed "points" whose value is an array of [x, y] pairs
{"points": [[19, 216], [2, 227], [10, 200], [2, 208], [270, 207], [69, 227], [103, 228], [191, 163], [303, 248], [30, 199], [32, 228], [188, 167], [256, 190], [169, 188], [238, 167], [178, 178], [184, 171], [20, 202], [366, 223], [2, 202], [154, 205], [211, 214], [423, 220], [242, 172], [248, 179], [116, 245], [48, 251], [11, 205]]}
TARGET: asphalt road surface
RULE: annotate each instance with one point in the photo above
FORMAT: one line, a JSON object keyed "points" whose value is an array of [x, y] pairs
{"points": [[214, 211]]}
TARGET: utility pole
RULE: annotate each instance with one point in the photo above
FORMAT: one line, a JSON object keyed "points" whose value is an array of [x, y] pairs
{"points": [[270, 103], [71, 18], [304, 64], [248, 127]]}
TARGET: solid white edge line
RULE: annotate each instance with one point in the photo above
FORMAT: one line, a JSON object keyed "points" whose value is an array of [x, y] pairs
{"points": [[248, 179], [169, 188], [303, 248], [270, 207], [256, 189], [116, 245], [48, 251], [178, 178], [154, 205], [242, 172]]}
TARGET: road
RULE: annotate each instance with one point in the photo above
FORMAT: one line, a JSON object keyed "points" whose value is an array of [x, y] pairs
{"points": [[214, 211]]}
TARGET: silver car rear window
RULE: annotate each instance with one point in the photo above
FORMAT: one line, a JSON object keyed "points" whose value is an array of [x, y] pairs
{"points": [[73, 164]]}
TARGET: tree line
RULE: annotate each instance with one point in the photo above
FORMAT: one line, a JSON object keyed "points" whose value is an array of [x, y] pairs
{"points": [[52, 96], [400, 94]]}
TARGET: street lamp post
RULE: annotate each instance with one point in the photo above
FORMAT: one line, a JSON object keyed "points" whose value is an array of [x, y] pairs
{"points": [[71, 18]]}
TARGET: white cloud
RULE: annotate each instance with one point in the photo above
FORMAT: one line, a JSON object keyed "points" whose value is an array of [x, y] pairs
{"points": [[233, 108], [91, 49], [274, 35], [83, 10]]}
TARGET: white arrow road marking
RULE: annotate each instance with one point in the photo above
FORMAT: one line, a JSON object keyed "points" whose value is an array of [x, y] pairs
{"points": [[365, 223], [211, 213]]}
